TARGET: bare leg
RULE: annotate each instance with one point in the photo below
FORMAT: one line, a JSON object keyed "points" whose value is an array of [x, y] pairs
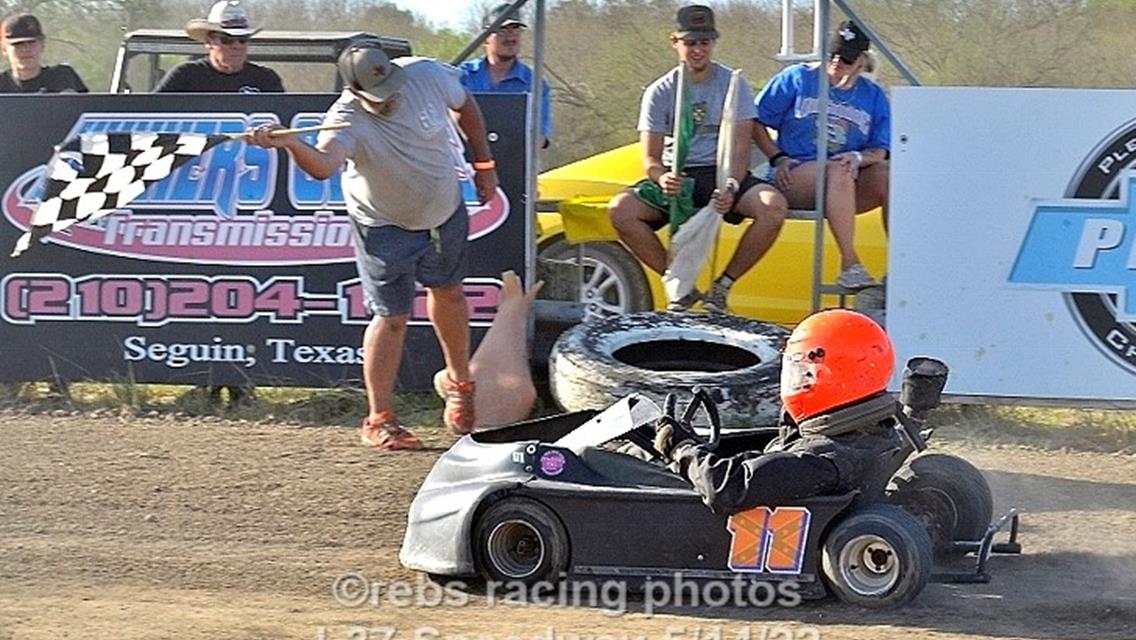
{"points": [[840, 205], [449, 314], [767, 208], [632, 220], [872, 189], [382, 353]]}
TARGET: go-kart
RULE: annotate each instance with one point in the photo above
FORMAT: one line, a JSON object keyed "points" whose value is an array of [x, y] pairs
{"points": [[549, 499]]}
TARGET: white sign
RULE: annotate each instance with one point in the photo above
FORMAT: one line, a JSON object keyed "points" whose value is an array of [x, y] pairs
{"points": [[1011, 256]]}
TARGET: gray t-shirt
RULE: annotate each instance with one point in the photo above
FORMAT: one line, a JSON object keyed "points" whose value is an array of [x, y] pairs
{"points": [[401, 166], [656, 113]]}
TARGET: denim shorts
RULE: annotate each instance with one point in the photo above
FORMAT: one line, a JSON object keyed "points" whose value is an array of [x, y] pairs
{"points": [[390, 259]]}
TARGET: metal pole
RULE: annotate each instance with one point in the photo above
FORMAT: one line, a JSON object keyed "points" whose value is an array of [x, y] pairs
{"points": [[879, 44], [787, 48], [821, 27], [534, 142]]}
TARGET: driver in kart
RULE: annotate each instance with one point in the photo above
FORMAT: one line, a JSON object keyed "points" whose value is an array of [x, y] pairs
{"points": [[838, 419]]}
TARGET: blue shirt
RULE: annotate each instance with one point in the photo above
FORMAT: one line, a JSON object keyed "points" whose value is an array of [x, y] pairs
{"points": [[858, 118], [476, 78]]}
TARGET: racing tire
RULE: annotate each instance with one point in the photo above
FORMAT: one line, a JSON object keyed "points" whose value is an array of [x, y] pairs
{"points": [[878, 557], [948, 495], [519, 540], [614, 282], [597, 363]]}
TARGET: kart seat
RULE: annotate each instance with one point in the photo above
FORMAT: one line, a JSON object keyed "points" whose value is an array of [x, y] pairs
{"points": [[627, 470]]}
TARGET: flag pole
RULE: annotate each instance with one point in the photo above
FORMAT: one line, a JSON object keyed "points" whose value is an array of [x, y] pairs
{"points": [[276, 133]]}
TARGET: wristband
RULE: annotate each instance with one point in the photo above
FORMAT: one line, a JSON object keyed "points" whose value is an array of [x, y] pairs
{"points": [[859, 158], [484, 165], [777, 156]]}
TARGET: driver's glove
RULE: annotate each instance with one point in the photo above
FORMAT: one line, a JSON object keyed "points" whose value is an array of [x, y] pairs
{"points": [[670, 435]]}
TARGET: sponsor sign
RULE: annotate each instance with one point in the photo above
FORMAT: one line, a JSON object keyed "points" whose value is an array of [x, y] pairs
{"points": [[1012, 254], [238, 268]]}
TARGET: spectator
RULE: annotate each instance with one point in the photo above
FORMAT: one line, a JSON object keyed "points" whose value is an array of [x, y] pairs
{"points": [[641, 210], [499, 71], [23, 42], [403, 195], [225, 68], [859, 137]]}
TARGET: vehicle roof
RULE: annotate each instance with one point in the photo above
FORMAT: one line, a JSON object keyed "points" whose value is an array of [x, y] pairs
{"points": [[305, 46]]}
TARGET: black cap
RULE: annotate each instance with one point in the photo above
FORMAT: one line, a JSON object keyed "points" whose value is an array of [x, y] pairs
{"points": [[22, 28], [849, 42], [697, 21], [494, 13]]}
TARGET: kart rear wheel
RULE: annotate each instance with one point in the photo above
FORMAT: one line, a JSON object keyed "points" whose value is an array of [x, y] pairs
{"points": [[948, 495], [879, 556], [520, 540]]}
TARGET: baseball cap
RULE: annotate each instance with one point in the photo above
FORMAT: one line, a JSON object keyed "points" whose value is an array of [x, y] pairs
{"points": [[848, 42], [695, 20], [494, 13], [23, 27], [366, 68]]}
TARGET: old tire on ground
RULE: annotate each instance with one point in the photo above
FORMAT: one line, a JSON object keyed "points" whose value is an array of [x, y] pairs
{"points": [[520, 539], [947, 494], [613, 281], [878, 556], [597, 363]]}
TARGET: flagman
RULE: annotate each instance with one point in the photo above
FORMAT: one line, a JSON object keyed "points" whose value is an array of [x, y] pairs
{"points": [[642, 209], [402, 193]]}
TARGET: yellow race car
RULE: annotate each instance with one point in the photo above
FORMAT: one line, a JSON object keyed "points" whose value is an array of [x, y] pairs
{"points": [[572, 210]]}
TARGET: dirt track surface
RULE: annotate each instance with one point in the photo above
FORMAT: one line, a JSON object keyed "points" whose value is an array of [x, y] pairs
{"points": [[144, 528]]}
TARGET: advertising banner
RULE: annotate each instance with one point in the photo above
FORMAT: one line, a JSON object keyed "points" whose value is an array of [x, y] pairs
{"points": [[1011, 251], [238, 268]]}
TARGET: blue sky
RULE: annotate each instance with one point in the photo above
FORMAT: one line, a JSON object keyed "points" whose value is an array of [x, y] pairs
{"points": [[450, 13]]}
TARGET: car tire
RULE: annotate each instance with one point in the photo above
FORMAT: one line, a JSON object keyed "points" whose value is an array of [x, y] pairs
{"points": [[597, 363], [520, 540], [614, 282], [947, 494], [877, 557]]}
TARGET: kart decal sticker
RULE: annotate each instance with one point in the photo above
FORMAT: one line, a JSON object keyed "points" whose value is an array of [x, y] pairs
{"points": [[768, 540], [552, 463]]}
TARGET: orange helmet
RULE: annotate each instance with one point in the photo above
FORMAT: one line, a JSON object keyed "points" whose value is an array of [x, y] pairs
{"points": [[833, 359]]}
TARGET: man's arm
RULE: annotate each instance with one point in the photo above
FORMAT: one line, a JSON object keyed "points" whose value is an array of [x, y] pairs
{"points": [[472, 124], [743, 134], [320, 161]]}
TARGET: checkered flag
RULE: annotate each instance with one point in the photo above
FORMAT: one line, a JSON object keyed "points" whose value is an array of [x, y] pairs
{"points": [[94, 174]]}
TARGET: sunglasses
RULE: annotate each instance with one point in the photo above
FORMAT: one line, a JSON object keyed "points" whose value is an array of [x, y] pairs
{"points": [[845, 60], [226, 39]]}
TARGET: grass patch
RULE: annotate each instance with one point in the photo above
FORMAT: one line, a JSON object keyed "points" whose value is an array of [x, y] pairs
{"points": [[343, 406], [1042, 428]]}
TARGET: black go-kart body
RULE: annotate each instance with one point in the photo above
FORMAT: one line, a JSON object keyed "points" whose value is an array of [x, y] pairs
{"points": [[546, 500]]}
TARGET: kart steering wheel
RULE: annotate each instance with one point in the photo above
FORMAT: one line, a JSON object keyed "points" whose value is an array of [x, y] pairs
{"points": [[644, 435]]}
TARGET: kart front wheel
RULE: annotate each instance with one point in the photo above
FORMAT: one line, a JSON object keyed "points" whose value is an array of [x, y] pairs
{"points": [[521, 540], [948, 494], [879, 556]]}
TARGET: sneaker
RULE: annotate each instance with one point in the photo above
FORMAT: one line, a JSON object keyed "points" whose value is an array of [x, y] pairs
{"points": [[856, 277], [715, 301], [686, 302], [385, 433], [458, 414]]}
